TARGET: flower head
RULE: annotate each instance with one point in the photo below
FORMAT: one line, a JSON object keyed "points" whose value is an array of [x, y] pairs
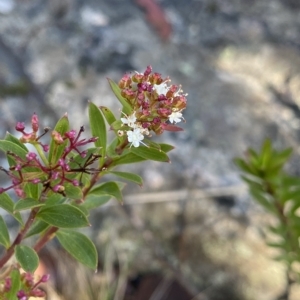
{"points": [[154, 101], [135, 137]]}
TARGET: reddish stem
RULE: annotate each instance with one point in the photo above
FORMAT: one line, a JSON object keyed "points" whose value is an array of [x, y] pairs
{"points": [[10, 251]]}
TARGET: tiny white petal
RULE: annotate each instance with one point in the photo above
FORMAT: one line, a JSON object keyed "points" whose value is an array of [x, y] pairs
{"points": [[135, 137], [161, 89], [129, 120], [175, 117]]}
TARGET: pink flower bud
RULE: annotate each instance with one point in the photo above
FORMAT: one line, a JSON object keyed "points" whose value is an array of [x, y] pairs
{"points": [[35, 122], [57, 137], [71, 134], [31, 156], [20, 126], [7, 284], [148, 71], [45, 278]]}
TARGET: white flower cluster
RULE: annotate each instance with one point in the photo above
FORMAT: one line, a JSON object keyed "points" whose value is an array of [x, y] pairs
{"points": [[136, 135]]}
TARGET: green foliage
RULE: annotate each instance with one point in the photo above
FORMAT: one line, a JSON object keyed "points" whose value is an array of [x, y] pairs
{"points": [[4, 236], [57, 185], [27, 258], [79, 246], [278, 193]]}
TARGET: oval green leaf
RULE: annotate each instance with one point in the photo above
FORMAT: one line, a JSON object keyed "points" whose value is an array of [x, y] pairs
{"points": [[4, 235], [13, 139], [79, 246], [8, 204], [12, 147], [151, 154], [98, 128], [63, 216], [94, 201], [38, 227], [109, 116], [129, 176], [108, 188], [27, 203], [116, 90], [27, 258]]}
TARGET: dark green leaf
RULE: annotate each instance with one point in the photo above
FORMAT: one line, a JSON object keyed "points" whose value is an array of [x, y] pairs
{"points": [[128, 158], [108, 188], [109, 116], [79, 246], [12, 147], [27, 203], [266, 154], [55, 150], [4, 235], [13, 139], [116, 90], [129, 176], [55, 199], [94, 201], [33, 190], [63, 216], [8, 204], [98, 128], [151, 154], [73, 192], [166, 147], [262, 199], [38, 227], [27, 258]]}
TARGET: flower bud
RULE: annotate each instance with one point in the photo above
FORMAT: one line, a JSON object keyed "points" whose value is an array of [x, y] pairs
{"points": [[20, 126], [35, 122], [57, 137]]}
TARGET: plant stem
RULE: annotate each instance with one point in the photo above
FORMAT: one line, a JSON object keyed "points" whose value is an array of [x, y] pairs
{"points": [[49, 234], [10, 251]]}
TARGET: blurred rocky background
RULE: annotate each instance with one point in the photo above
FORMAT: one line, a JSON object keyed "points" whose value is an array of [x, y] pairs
{"points": [[192, 231]]}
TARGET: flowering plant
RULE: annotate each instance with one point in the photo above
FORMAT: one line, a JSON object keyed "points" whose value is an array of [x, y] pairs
{"points": [[59, 183]]}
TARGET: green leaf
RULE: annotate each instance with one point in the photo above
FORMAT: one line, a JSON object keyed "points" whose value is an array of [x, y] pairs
{"points": [[55, 151], [27, 203], [15, 285], [79, 246], [27, 258], [38, 226], [108, 188], [4, 235], [129, 176], [73, 192], [33, 190], [166, 147], [12, 147], [63, 216], [263, 200], [98, 129], [116, 90], [281, 158], [266, 154], [8, 204], [128, 158], [55, 199], [245, 167], [109, 116], [13, 139], [94, 201], [151, 154]]}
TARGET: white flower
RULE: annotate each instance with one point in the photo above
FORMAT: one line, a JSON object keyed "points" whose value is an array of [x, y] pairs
{"points": [[135, 137], [129, 120], [175, 117], [161, 89]]}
